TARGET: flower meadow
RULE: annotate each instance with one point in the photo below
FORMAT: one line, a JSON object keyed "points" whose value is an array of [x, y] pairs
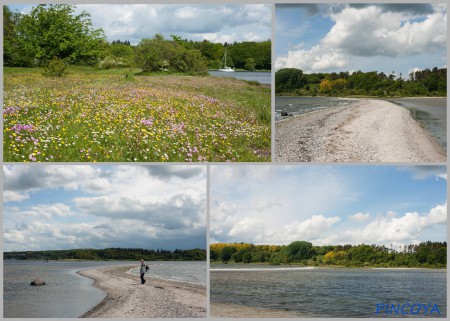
{"points": [[104, 118]]}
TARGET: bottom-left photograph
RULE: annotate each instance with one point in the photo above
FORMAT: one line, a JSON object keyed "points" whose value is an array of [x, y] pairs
{"points": [[104, 241]]}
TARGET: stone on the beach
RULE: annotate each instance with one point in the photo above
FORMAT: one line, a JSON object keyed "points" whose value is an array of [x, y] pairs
{"points": [[38, 282], [285, 113]]}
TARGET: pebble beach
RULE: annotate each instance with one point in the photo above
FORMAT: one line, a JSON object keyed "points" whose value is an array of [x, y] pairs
{"points": [[128, 298], [369, 131]]}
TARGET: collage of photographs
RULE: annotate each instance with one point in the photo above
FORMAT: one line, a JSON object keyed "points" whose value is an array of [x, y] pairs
{"points": [[211, 160]]}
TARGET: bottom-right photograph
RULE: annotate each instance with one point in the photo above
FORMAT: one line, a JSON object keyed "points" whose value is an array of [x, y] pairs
{"points": [[328, 241]]}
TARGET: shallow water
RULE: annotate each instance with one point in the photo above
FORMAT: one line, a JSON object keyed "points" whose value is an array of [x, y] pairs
{"points": [[329, 292], [432, 112], [192, 272], [297, 105], [261, 77], [66, 294]]}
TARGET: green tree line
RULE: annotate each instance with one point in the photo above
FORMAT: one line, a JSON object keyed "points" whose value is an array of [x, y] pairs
{"points": [[427, 82], [55, 32], [128, 254], [426, 254]]}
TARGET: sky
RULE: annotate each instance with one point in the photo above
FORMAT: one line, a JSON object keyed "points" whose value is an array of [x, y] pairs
{"points": [[328, 205], [367, 37], [80, 206], [214, 22]]}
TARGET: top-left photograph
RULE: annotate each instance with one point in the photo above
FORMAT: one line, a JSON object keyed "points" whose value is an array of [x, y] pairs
{"points": [[137, 83]]}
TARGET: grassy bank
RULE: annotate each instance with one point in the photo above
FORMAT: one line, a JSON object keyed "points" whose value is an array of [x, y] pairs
{"points": [[94, 115]]}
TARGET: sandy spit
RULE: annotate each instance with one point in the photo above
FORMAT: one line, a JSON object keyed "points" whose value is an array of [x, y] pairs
{"points": [[369, 131], [128, 298]]}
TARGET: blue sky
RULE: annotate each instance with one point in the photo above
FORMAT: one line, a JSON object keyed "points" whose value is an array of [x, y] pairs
{"points": [[367, 37], [328, 204], [81, 206], [214, 22]]}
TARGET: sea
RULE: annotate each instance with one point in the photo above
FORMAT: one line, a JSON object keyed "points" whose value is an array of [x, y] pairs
{"points": [[296, 105], [69, 295], [261, 77], [328, 292], [431, 112]]}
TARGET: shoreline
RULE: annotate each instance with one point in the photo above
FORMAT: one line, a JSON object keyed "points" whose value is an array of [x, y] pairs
{"points": [[308, 267], [369, 131], [127, 297]]}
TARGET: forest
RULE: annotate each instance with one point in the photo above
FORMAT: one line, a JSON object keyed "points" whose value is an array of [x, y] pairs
{"points": [[425, 255], [125, 254], [427, 82], [53, 33]]}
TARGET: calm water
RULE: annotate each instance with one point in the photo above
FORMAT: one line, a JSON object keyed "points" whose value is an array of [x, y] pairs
{"points": [[261, 77], [298, 105], [192, 272], [68, 294], [432, 112], [314, 292]]}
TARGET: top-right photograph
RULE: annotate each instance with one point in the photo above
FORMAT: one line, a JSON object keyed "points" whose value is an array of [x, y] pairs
{"points": [[361, 83]]}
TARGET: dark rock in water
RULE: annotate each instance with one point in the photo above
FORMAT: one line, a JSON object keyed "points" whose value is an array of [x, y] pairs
{"points": [[285, 113], [38, 282]]}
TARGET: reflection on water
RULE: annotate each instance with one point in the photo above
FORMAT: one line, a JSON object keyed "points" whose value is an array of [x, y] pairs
{"points": [[329, 292]]}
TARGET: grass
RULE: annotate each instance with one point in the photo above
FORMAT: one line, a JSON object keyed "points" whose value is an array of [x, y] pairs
{"points": [[100, 116]]}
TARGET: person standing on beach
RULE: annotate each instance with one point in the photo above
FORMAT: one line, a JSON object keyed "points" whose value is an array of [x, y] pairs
{"points": [[142, 271]]}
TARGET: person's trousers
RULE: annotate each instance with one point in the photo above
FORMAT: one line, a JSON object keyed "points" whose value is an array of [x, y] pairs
{"points": [[142, 278]]}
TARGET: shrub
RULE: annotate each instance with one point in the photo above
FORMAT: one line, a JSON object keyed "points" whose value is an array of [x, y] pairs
{"points": [[55, 68], [113, 62]]}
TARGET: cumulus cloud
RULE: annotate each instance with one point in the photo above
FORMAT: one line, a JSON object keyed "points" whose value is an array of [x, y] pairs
{"points": [[359, 217], [309, 229], [219, 22], [366, 30], [104, 206], [317, 59], [394, 229], [371, 31]]}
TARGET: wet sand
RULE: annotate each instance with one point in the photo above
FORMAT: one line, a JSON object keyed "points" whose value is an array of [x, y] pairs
{"points": [[370, 131], [128, 298]]}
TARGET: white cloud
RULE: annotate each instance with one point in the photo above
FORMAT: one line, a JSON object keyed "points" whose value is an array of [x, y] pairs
{"points": [[359, 217], [104, 206], [195, 22], [11, 196], [309, 229], [393, 229], [370, 31], [437, 215], [317, 59]]}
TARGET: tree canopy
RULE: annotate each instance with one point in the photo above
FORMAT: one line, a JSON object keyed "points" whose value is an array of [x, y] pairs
{"points": [[50, 31], [130, 254], [426, 254], [55, 31], [427, 82]]}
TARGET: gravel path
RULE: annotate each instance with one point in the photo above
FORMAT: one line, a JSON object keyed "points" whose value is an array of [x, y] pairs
{"points": [[370, 131], [127, 297]]}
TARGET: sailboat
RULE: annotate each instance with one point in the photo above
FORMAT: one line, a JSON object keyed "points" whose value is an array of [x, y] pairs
{"points": [[224, 62]]}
